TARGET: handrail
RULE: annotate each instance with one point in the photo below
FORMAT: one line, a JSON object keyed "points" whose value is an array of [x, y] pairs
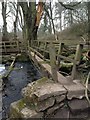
{"points": [[10, 46], [49, 47], [61, 41]]}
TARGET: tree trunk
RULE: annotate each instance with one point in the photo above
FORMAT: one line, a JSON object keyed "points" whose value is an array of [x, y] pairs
{"points": [[4, 7], [29, 14], [60, 22], [52, 19], [15, 23], [88, 6]]}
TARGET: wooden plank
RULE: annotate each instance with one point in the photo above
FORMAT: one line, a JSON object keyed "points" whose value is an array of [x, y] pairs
{"points": [[38, 48], [61, 79], [67, 59]]}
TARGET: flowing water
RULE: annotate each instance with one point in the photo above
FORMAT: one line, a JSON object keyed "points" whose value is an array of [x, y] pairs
{"points": [[23, 73]]}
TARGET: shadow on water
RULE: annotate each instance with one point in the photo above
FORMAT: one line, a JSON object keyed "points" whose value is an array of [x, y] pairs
{"points": [[25, 73]]}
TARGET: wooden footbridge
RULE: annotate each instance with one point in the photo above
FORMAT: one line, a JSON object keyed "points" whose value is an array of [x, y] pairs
{"points": [[47, 55]]}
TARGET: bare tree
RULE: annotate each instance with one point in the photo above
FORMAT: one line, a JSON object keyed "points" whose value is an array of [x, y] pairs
{"points": [[50, 15], [58, 14], [4, 15], [29, 17], [88, 6], [15, 22]]}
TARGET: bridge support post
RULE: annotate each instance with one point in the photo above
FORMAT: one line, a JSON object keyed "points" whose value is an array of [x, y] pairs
{"points": [[17, 42], [77, 59], [52, 54], [59, 52]]}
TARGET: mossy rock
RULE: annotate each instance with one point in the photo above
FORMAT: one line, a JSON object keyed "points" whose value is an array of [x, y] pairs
{"points": [[29, 92], [15, 108], [23, 58]]}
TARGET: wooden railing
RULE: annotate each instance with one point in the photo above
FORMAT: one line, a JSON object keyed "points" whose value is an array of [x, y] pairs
{"points": [[10, 46], [54, 50], [50, 51]]}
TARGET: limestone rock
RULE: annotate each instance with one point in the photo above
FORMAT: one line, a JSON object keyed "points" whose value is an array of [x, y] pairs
{"points": [[60, 98], [54, 108], [48, 90], [43, 105], [62, 114], [43, 90], [15, 108], [28, 113], [75, 91], [78, 105]]}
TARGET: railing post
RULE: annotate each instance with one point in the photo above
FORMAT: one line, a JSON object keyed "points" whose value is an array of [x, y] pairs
{"points": [[17, 45], [59, 52], [4, 47], [78, 53], [77, 59], [45, 46], [28, 45], [53, 62]]}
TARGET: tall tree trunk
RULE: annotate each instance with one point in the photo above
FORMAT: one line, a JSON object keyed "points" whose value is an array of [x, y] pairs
{"points": [[15, 23], [88, 6], [60, 22], [52, 19], [71, 17], [29, 14], [50, 26], [4, 7]]}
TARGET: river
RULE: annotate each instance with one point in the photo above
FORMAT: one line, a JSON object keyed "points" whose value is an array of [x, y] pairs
{"points": [[23, 73]]}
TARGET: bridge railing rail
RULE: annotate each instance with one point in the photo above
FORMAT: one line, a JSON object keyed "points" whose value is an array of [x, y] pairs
{"points": [[10, 46], [54, 50]]}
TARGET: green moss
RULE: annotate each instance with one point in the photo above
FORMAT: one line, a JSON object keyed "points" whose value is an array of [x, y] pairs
{"points": [[15, 113], [42, 80], [31, 102], [15, 109], [21, 104]]}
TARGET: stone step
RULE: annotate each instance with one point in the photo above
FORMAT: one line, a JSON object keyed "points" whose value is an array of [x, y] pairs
{"points": [[76, 90]]}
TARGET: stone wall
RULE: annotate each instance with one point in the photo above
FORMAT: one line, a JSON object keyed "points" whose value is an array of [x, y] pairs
{"points": [[46, 99]]}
